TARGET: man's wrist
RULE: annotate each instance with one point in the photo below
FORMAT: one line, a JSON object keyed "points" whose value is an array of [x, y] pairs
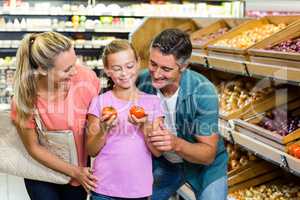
{"points": [[178, 144], [145, 126]]}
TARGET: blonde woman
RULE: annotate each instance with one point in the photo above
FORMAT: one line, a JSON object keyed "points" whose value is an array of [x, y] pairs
{"points": [[48, 78]]}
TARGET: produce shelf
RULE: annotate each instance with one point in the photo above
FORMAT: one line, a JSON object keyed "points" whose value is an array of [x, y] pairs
{"points": [[199, 58], [261, 149], [273, 71], [227, 65], [247, 68]]}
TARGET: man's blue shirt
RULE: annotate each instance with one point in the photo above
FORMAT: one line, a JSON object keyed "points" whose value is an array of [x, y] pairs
{"points": [[197, 113]]}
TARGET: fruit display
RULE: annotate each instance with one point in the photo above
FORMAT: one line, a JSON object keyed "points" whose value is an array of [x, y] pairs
{"points": [[274, 191], [153, 8], [237, 94], [237, 156], [109, 111], [91, 61], [294, 150], [263, 13], [79, 23], [137, 111], [204, 39], [280, 121], [291, 45], [250, 37], [96, 42]]}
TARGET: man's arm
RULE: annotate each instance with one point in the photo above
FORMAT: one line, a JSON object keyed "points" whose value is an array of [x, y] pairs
{"points": [[204, 127], [202, 152]]}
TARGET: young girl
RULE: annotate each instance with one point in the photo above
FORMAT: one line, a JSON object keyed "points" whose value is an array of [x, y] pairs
{"points": [[123, 164]]}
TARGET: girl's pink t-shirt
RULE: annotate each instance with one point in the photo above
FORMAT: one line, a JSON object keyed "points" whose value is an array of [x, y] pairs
{"points": [[124, 165], [69, 113]]}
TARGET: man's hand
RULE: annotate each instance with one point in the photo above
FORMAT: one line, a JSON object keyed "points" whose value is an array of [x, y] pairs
{"points": [[163, 139]]}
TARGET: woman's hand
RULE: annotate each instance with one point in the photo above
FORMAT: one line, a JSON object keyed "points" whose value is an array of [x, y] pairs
{"points": [[85, 177]]}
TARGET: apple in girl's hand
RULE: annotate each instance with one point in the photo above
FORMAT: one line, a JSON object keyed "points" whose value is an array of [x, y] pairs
{"points": [[110, 111], [137, 111]]}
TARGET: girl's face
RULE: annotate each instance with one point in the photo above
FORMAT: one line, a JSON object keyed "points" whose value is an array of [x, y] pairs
{"points": [[122, 68], [64, 68]]}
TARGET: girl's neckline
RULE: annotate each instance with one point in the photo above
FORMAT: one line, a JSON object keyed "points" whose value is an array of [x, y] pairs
{"points": [[139, 96]]}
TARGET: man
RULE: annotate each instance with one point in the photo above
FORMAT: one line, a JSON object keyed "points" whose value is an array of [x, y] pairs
{"points": [[193, 151]]}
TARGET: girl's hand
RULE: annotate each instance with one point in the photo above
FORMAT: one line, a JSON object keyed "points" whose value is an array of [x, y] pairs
{"points": [[107, 122], [85, 177], [138, 121]]}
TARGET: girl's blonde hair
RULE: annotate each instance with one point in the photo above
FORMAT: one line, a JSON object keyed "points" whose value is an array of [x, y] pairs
{"points": [[116, 46], [36, 50]]}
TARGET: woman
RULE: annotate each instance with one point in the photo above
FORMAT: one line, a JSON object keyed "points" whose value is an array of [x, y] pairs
{"points": [[48, 78]]}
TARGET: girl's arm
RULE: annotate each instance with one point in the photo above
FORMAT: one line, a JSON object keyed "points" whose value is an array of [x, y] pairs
{"points": [[42, 155], [96, 133], [95, 136]]}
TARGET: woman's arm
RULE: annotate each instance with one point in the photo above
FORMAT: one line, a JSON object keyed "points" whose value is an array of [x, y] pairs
{"points": [[42, 155]]}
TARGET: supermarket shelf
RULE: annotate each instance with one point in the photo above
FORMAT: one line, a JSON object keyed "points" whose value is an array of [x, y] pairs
{"points": [[199, 58], [248, 68], [81, 51], [8, 51], [64, 14], [109, 14], [227, 65], [14, 50], [261, 149], [80, 30], [272, 71], [4, 107], [91, 11]]}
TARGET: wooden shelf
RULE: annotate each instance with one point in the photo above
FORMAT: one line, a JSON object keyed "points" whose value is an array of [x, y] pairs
{"points": [[227, 65], [261, 149], [273, 71], [247, 68], [198, 58]]}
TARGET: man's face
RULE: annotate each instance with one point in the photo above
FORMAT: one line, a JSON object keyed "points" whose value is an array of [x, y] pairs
{"points": [[164, 69]]}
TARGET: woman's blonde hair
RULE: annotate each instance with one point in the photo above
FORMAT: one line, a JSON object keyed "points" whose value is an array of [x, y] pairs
{"points": [[36, 50]]}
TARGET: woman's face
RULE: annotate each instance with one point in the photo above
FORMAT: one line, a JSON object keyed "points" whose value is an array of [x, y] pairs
{"points": [[64, 68], [122, 68]]}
